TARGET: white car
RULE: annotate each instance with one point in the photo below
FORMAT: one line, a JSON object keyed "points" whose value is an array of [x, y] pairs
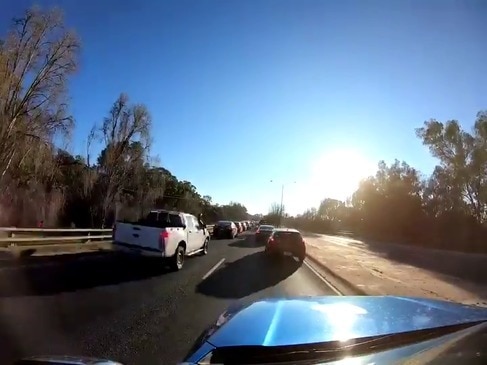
{"points": [[165, 234]]}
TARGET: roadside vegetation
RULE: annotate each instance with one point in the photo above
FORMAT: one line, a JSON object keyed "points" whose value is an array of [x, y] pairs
{"points": [[39, 179], [446, 210]]}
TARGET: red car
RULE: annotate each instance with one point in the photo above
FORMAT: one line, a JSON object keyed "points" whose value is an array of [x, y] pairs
{"points": [[286, 242]]}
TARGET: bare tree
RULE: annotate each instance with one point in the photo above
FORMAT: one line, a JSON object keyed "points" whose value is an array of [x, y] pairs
{"points": [[36, 59], [276, 213], [124, 125], [275, 209]]}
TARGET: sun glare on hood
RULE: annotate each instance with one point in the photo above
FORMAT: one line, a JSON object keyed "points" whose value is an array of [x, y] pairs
{"points": [[342, 318]]}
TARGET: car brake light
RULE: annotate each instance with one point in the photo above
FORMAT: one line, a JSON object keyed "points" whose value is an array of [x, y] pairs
{"points": [[162, 237]]}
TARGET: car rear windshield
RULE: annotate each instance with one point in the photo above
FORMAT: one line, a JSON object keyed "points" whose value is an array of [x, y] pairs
{"points": [[224, 223], [295, 236], [266, 228]]}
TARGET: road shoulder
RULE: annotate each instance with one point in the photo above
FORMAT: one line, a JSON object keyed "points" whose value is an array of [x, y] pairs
{"points": [[360, 271]]}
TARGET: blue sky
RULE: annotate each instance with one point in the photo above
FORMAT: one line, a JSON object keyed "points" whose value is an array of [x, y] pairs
{"points": [[312, 92]]}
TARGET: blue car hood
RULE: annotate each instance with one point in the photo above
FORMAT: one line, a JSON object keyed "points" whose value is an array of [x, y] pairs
{"points": [[292, 321]]}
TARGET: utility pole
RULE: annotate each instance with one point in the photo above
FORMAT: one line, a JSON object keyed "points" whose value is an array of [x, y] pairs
{"points": [[281, 209]]}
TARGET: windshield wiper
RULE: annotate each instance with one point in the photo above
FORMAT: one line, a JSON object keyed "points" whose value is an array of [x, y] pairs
{"points": [[330, 351]]}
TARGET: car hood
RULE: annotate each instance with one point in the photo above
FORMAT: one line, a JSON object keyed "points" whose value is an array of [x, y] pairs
{"points": [[65, 360], [292, 321]]}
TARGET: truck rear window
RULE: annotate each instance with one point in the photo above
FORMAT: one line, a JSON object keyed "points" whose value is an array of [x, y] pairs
{"points": [[162, 219]]}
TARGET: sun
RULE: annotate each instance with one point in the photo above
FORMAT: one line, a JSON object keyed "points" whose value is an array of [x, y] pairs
{"points": [[337, 173]]}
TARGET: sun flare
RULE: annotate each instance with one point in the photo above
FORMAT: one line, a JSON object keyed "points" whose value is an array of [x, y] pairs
{"points": [[337, 173]]}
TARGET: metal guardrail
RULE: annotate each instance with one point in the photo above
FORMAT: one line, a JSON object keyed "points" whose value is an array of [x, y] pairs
{"points": [[14, 236]]}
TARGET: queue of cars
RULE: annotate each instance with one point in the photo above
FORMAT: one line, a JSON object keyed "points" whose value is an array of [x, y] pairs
{"points": [[171, 236], [231, 229], [278, 241]]}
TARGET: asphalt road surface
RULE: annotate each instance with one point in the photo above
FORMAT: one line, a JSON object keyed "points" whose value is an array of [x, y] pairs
{"points": [[135, 311]]}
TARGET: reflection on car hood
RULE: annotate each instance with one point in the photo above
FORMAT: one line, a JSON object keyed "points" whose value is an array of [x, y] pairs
{"points": [[291, 321], [65, 360]]}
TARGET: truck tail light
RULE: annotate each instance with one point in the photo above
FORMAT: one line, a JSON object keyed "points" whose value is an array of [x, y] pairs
{"points": [[162, 239]]}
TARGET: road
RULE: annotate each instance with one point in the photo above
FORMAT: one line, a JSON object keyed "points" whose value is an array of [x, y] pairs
{"points": [[131, 310]]}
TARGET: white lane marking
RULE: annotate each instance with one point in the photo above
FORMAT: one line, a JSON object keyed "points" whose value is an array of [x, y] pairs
{"points": [[213, 269], [322, 278]]}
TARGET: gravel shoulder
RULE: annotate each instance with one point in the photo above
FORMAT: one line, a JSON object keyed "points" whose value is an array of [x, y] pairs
{"points": [[390, 269]]}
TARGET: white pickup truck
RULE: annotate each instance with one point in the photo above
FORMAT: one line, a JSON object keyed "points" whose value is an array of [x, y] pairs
{"points": [[165, 234]]}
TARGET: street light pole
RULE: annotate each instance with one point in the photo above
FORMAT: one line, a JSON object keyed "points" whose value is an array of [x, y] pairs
{"points": [[281, 209]]}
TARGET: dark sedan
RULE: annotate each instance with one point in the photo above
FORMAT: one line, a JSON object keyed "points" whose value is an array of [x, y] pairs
{"points": [[225, 229], [263, 233], [286, 242]]}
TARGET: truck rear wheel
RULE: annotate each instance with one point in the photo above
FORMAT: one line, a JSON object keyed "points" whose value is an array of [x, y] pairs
{"points": [[177, 261]]}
